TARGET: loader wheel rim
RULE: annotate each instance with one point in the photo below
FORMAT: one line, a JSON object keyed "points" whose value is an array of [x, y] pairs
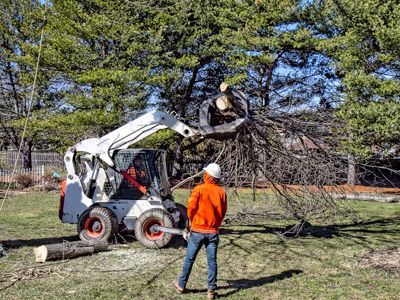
{"points": [[94, 227], [147, 229]]}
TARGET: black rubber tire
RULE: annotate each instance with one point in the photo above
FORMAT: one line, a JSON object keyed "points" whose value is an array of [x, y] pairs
{"points": [[143, 224], [183, 218], [109, 224]]}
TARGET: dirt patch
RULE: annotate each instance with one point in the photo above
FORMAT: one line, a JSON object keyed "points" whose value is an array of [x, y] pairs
{"points": [[386, 259], [344, 188], [370, 189], [347, 189]]}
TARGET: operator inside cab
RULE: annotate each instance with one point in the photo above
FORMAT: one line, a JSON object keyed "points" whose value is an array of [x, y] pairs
{"points": [[137, 171]]}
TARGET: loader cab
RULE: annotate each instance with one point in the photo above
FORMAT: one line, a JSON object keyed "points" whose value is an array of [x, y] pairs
{"points": [[146, 166]]}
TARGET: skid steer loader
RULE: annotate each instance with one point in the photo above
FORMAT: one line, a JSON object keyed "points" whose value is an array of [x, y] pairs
{"points": [[110, 188]]}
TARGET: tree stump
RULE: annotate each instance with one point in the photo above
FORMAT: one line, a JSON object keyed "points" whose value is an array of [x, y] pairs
{"points": [[68, 250]]}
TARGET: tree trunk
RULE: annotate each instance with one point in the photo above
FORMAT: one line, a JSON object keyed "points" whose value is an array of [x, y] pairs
{"points": [[266, 99], [351, 172], [261, 74], [177, 171], [27, 155], [68, 250]]}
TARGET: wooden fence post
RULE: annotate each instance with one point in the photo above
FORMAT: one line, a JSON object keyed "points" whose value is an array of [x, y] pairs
{"points": [[42, 176]]}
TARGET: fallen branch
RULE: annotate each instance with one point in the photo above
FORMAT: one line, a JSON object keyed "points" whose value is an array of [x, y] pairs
{"points": [[368, 197]]}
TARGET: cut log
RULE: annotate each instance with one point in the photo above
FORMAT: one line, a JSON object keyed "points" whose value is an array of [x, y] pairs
{"points": [[68, 250], [223, 103], [226, 90]]}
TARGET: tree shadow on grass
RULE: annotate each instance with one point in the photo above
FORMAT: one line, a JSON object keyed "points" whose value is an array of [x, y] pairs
{"points": [[14, 244], [255, 228], [378, 226], [241, 284], [177, 242], [365, 233]]}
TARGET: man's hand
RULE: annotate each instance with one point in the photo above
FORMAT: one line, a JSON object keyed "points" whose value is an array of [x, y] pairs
{"points": [[186, 234]]}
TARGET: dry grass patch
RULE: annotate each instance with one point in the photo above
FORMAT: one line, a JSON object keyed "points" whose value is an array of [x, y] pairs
{"points": [[385, 259]]}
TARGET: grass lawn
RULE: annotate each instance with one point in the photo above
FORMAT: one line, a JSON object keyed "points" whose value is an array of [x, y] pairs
{"points": [[254, 262]]}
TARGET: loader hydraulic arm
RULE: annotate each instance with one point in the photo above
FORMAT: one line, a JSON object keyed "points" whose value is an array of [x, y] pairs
{"points": [[127, 135], [220, 117]]}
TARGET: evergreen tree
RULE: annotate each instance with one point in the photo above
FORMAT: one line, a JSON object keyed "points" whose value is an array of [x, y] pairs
{"points": [[364, 41], [95, 52]]}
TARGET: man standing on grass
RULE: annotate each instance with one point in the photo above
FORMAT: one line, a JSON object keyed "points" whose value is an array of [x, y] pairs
{"points": [[206, 209]]}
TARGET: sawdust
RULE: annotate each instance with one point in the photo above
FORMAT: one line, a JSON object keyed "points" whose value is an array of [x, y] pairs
{"points": [[128, 260], [385, 259]]}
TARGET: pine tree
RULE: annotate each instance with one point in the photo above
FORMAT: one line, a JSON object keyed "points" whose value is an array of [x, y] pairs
{"points": [[365, 44]]}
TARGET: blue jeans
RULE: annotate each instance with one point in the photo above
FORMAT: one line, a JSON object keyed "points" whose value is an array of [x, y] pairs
{"points": [[196, 240]]}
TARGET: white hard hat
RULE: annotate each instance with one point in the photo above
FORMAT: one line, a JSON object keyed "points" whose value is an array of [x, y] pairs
{"points": [[214, 170]]}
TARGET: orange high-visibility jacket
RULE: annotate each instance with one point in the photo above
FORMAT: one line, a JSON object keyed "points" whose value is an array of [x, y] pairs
{"points": [[207, 206]]}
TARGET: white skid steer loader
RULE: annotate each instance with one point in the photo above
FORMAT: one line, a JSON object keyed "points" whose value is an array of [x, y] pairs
{"points": [[111, 188]]}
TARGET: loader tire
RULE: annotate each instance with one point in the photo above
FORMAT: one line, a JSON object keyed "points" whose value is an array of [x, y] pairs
{"points": [[183, 218], [144, 223], [97, 223]]}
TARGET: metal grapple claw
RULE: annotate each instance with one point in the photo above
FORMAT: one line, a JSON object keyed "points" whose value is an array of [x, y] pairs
{"points": [[222, 116]]}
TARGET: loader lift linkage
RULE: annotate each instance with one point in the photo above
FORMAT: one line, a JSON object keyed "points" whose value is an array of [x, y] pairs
{"points": [[110, 188]]}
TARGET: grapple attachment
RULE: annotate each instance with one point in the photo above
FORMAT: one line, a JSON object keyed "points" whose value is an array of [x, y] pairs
{"points": [[222, 116]]}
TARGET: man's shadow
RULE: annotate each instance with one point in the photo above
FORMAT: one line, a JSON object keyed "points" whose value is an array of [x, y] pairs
{"points": [[241, 284]]}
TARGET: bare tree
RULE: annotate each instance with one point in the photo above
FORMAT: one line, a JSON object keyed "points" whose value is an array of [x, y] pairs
{"points": [[292, 159]]}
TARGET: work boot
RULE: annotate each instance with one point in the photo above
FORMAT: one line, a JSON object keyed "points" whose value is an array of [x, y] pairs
{"points": [[212, 294], [178, 289]]}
